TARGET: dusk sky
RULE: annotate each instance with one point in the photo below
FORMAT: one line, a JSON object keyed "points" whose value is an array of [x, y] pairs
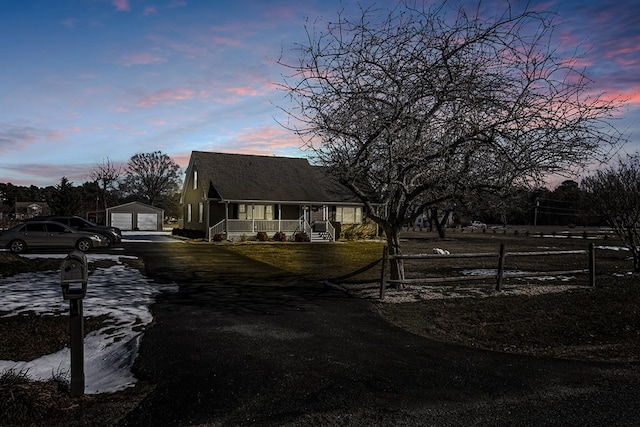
{"points": [[86, 80]]}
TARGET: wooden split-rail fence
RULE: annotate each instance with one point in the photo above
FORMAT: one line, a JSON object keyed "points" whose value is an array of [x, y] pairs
{"points": [[500, 275]]}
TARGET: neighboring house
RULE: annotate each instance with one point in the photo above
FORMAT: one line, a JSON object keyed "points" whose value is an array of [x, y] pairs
{"points": [[235, 195], [24, 210], [135, 216]]}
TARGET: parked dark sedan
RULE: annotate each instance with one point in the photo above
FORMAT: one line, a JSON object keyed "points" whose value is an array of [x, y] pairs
{"points": [[112, 234], [48, 234]]}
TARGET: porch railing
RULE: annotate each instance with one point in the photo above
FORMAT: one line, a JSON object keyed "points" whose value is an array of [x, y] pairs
{"points": [[324, 227], [254, 226], [271, 226], [219, 228]]}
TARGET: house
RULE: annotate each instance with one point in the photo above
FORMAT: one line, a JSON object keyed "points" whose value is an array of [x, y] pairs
{"points": [[135, 216], [24, 210], [236, 195]]}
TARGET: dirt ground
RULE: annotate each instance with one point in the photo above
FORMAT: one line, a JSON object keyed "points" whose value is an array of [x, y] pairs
{"points": [[569, 319], [551, 316]]}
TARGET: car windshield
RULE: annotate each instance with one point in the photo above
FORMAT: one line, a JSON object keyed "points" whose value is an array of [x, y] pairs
{"points": [[80, 222]]}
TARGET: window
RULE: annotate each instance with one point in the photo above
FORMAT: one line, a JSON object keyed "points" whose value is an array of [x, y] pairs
{"points": [[31, 227], [258, 211], [242, 211], [189, 217], [348, 215], [55, 228], [255, 212], [200, 212], [195, 179]]}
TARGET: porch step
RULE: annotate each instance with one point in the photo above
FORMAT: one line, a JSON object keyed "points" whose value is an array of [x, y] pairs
{"points": [[320, 236]]}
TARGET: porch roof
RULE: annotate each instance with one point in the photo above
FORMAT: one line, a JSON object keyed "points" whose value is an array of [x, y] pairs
{"points": [[249, 178]]}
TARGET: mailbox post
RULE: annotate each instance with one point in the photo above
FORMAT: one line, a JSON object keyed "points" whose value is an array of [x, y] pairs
{"points": [[73, 280]]}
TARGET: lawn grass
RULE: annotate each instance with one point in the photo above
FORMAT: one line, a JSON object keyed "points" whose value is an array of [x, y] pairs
{"points": [[315, 261]]}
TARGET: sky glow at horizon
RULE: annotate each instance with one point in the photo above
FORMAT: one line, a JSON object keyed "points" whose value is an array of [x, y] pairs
{"points": [[87, 80]]}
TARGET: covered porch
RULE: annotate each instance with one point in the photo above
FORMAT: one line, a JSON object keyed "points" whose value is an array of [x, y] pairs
{"points": [[247, 219]]}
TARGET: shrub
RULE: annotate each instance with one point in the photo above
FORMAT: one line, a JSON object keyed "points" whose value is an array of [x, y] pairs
{"points": [[262, 236], [359, 231], [219, 237], [280, 237], [302, 237]]}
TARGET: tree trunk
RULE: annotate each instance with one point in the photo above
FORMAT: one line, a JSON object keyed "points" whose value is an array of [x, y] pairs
{"points": [[393, 243], [636, 260], [439, 223]]}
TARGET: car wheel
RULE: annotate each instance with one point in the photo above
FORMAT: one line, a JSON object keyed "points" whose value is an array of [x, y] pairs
{"points": [[84, 245], [109, 240], [18, 246]]}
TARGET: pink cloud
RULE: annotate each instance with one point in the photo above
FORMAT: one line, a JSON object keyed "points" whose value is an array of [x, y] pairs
{"points": [[19, 137], [226, 41], [143, 58], [181, 159], [54, 134], [630, 95], [264, 141], [157, 122], [122, 5], [242, 91], [166, 96], [150, 10]]}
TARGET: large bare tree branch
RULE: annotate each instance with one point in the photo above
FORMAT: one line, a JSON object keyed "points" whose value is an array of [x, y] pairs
{"points": [[423, 105]]}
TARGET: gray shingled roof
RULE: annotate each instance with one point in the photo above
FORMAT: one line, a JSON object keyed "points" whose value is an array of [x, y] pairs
{"points": [[275, 179]]}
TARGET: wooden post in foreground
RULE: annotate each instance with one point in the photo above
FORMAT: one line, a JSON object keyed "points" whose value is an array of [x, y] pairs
{"points": [[383, 273], [501, 257]]}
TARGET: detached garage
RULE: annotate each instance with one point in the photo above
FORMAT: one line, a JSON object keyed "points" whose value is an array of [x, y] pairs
{"points": [[135, 216]]}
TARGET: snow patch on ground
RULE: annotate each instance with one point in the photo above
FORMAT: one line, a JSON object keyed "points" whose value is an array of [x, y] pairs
{"points": [[120, 292]]}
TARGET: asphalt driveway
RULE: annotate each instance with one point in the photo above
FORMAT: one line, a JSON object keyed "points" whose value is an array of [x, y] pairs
{"points": [[246, 344]]}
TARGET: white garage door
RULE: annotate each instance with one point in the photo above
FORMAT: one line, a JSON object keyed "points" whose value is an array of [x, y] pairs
{"points": [[124, 221], [147, 221]]}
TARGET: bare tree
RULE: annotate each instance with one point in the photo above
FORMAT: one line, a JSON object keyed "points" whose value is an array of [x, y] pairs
{"points": [[614, 193], [417, 106], [152, 177], [106, 176]]}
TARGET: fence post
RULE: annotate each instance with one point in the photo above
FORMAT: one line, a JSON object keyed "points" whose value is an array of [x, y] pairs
{"points": [[383, 273], [501, 256], [592, 265]]}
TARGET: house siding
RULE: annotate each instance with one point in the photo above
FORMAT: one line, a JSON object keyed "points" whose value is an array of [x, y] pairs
{"points": [[216, 213]]}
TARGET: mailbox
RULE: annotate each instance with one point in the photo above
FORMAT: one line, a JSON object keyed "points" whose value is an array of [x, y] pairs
{"points": [[74, 271]]}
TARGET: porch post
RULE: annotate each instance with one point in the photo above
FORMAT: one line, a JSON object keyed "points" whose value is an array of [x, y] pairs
{"points": [[207, 217], [253, 218], [279, 216], [226, 219]]}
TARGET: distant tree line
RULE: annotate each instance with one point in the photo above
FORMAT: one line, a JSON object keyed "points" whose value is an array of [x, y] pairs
{"points": [[151, 178], [566, 205]]}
